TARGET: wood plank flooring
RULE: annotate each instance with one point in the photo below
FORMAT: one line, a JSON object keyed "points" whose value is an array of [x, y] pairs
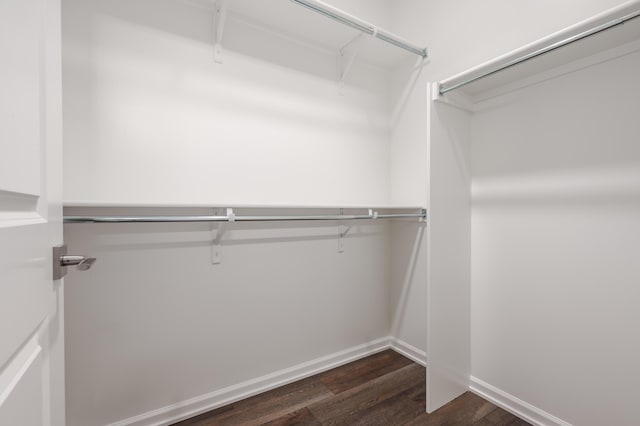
{"points": [[384, 389]]}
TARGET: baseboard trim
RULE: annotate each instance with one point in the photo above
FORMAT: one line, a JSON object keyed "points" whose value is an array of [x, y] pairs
{"points": [[201, 404], [514, 405], [411, 352]]}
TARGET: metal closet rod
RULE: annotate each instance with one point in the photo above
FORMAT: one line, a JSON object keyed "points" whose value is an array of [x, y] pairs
{"points": [[360, 25], [497, 68], [231, 217]]}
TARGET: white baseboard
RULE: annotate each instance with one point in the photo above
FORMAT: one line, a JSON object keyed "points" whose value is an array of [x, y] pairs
{"points": [[203, 403], [514, 405], [411, 352]]}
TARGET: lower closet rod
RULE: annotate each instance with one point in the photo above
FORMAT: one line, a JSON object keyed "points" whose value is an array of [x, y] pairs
{"points": [[232, 218]]}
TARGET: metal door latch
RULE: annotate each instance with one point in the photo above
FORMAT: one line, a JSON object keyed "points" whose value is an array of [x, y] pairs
{"points": [[61, 260]]}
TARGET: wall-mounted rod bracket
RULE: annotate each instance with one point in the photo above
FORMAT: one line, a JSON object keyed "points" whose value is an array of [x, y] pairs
{"points": [[219, 18], [347, 56], [343, 230], [217, 233], [231, 216]]}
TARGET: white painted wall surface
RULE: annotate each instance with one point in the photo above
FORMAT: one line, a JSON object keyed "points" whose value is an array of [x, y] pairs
{"points": [[556, 202], [461, 34], [408, 297], [409, 176], [464, 33], [150, 118], [268, 126], [154, 323]]}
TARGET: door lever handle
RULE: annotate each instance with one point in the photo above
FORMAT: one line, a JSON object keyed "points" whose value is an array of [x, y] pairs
{"points": [[61, 260], [82, 262]]}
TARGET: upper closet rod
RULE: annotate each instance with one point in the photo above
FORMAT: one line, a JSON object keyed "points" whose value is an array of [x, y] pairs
{"points": [[447, 87], [360, 25], [231, 217]]}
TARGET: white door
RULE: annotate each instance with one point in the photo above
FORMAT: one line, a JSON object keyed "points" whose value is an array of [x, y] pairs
{"points": [[31, 315]]}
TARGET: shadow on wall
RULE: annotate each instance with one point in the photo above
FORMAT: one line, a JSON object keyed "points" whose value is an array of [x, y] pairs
{"points": [[611, 185], [182, 235], [410, 74], [143, 88], [193, 20], [407, 247], [555, 221], [154, 323], [456, 124]]}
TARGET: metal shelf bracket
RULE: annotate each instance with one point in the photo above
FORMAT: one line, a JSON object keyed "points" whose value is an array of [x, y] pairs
{"points": [[217, 232], [219, 18], [347, 56]]}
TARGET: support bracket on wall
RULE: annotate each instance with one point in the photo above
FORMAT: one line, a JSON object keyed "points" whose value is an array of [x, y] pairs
{"points": [[343, 230], [217, 233], [219, 17], [455, 99], [347, 56], [423, 219]]}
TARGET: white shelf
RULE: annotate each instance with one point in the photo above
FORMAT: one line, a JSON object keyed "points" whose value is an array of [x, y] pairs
{"points": [[238, 213], [100, 204], [503, 75], [297, 22]]}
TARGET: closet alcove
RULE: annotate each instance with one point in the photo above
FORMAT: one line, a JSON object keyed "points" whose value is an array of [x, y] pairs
{"points": [[183, 108], [528, 174], [547, 136]]}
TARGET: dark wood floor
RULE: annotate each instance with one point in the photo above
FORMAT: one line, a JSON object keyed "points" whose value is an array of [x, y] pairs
{"points": [[384, 389]]}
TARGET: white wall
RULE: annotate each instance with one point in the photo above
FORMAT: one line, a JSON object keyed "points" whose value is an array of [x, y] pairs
{"points": [[556, 202], [459, 34], [464, 33], [142, 90], [550, 240], [136, 82], [150, 118], [154, 323], [407, 302]]}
